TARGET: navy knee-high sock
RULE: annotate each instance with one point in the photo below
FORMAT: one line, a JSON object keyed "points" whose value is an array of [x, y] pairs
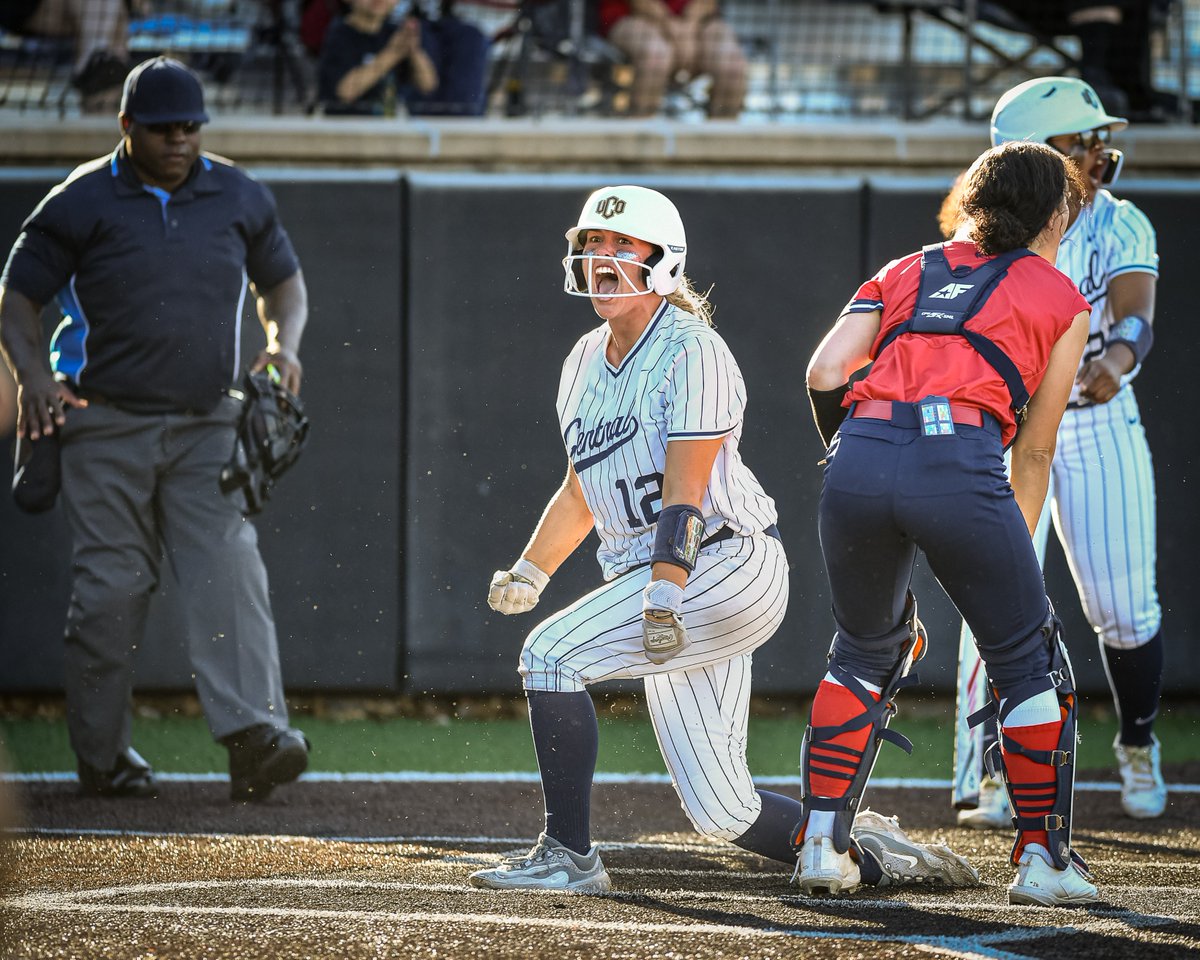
{"points": [[1136, 680], [566, 739], [770, 835]]}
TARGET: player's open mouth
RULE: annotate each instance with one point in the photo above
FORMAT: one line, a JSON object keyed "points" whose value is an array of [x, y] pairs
{"points": [[605, 281]]}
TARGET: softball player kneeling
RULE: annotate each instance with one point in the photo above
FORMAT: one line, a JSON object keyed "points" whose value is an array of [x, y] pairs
{"points": [[650, 405]]}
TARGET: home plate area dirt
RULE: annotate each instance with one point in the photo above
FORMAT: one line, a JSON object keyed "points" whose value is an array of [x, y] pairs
{"points": [[371, 870]]}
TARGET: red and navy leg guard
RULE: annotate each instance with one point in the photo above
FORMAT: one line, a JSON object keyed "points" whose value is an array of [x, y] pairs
{"points": [[1040, 775], [832, 755]]}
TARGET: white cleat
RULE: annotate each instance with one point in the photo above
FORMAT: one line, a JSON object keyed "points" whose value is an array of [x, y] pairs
{"points": [[903, 860], [548, 866], [1143, 792], [1040, 884], [992, 812], [822, 871]]}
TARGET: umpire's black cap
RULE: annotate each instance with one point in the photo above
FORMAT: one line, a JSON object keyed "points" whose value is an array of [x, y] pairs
{"points": [[163, 90]]}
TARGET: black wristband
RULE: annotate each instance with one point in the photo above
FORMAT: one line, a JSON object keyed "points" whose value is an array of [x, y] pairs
{"points": [[1136, 333], [677, 539], [828, 411]]}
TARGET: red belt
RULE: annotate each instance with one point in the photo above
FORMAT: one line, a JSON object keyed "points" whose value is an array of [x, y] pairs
{"points": [[882, 410]]}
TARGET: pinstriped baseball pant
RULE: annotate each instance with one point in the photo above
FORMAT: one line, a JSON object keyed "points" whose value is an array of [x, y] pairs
{"points": [[1102, 495], [698, 701]]}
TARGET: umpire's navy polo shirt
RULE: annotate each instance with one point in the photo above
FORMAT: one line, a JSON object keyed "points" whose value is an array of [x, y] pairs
{"points": [[151, 284]]}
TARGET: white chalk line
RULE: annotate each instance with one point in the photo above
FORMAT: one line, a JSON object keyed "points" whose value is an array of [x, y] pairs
{"points": [[856, 904], [975, 946], [518, 776]]}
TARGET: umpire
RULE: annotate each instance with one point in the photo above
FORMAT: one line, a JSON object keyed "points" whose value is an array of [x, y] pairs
{"points": [[149, 252]]}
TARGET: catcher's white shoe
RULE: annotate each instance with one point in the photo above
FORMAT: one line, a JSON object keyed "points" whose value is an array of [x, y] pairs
{"points": [[822, 871], [992, 812], [548, 866], [1038, 883], [1143, 793], [903, 860]]}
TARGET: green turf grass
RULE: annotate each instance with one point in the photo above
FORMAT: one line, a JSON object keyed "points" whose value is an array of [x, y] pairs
{"points": [[627, 744]]}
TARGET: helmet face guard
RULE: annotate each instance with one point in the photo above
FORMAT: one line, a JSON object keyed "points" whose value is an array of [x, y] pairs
{"points": [[636, 212], [582, 268], [1116, 160]]}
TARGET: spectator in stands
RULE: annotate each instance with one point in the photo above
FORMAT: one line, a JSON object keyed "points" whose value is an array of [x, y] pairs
{"points": [[676, 39], [1114, 41], [370, 61], [100, 29]]}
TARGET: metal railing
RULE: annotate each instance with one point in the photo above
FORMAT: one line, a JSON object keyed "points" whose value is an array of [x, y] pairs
{"points": [[903, 59]]}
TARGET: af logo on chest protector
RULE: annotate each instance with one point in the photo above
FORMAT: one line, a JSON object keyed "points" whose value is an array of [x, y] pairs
{"points": [[952, 291]]}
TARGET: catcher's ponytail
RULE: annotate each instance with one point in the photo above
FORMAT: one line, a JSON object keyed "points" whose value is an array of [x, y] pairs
{"points": [[1010, 193]]}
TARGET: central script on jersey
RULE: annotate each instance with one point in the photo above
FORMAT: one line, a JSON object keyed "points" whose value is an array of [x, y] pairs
{"points": [[586, 447]]}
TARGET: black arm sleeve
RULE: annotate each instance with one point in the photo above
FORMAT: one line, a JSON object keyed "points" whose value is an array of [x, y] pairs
{"points": [[828, 411]]}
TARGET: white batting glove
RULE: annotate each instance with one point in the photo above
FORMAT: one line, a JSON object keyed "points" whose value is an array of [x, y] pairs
{"points": [[517, 590], [663, 632]]}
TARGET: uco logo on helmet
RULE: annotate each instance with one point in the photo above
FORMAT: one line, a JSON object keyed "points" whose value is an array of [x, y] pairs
{"points": [[610, 207]]}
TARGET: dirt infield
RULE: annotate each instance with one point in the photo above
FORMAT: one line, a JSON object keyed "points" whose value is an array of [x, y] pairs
{"points": [[358, 870]]}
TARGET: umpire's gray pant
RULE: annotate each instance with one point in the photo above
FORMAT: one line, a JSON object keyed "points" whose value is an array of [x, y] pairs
{"points": [[138, 488]]}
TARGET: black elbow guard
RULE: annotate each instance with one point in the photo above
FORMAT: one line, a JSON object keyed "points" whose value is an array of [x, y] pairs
{"points": [[828, 411]]}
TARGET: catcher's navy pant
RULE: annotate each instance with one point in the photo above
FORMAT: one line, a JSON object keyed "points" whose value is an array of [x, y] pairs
{"points": [[136, 488], [890, 490]]}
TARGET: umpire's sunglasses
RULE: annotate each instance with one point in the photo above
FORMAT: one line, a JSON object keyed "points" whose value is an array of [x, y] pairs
{"points": [[1089, 140], [188, 127]]}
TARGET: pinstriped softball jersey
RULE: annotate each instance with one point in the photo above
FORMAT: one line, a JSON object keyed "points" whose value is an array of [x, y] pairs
{"points": [[1109, 238], [678, 382], [1102, 477]]}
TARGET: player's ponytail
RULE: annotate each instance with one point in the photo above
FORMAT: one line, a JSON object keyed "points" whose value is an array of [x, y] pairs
{"points": [[1010, 193], [693, 301]]}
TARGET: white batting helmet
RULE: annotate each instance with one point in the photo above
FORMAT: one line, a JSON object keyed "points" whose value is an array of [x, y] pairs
{"points": [[635, 212], [1049, 107]]}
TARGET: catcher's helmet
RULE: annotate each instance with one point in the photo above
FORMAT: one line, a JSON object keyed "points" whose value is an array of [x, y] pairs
{"points": [[635, 212], [1049, 107]]}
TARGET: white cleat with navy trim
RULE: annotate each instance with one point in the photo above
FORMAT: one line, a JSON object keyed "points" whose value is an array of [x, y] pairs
{"points": [[1040, 884], [822, 871]]}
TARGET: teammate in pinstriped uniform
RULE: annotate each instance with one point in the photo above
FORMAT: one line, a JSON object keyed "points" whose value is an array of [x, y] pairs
{"points": [[651, 405], [1102, 484], [973, 347]]}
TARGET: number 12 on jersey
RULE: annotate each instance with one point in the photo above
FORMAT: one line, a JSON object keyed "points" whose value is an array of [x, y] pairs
{"points": [[649, 516]]}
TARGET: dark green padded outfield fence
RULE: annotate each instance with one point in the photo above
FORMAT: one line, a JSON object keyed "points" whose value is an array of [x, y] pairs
{"points": [[431, 361]]}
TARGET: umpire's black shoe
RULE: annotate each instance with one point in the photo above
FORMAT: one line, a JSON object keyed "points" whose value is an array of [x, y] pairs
{"points": [[132, 776], [262, 757]]}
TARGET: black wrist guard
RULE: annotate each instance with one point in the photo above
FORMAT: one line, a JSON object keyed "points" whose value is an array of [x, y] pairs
{"points": [[1136, 333], [828, 411], [677, 539]]}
